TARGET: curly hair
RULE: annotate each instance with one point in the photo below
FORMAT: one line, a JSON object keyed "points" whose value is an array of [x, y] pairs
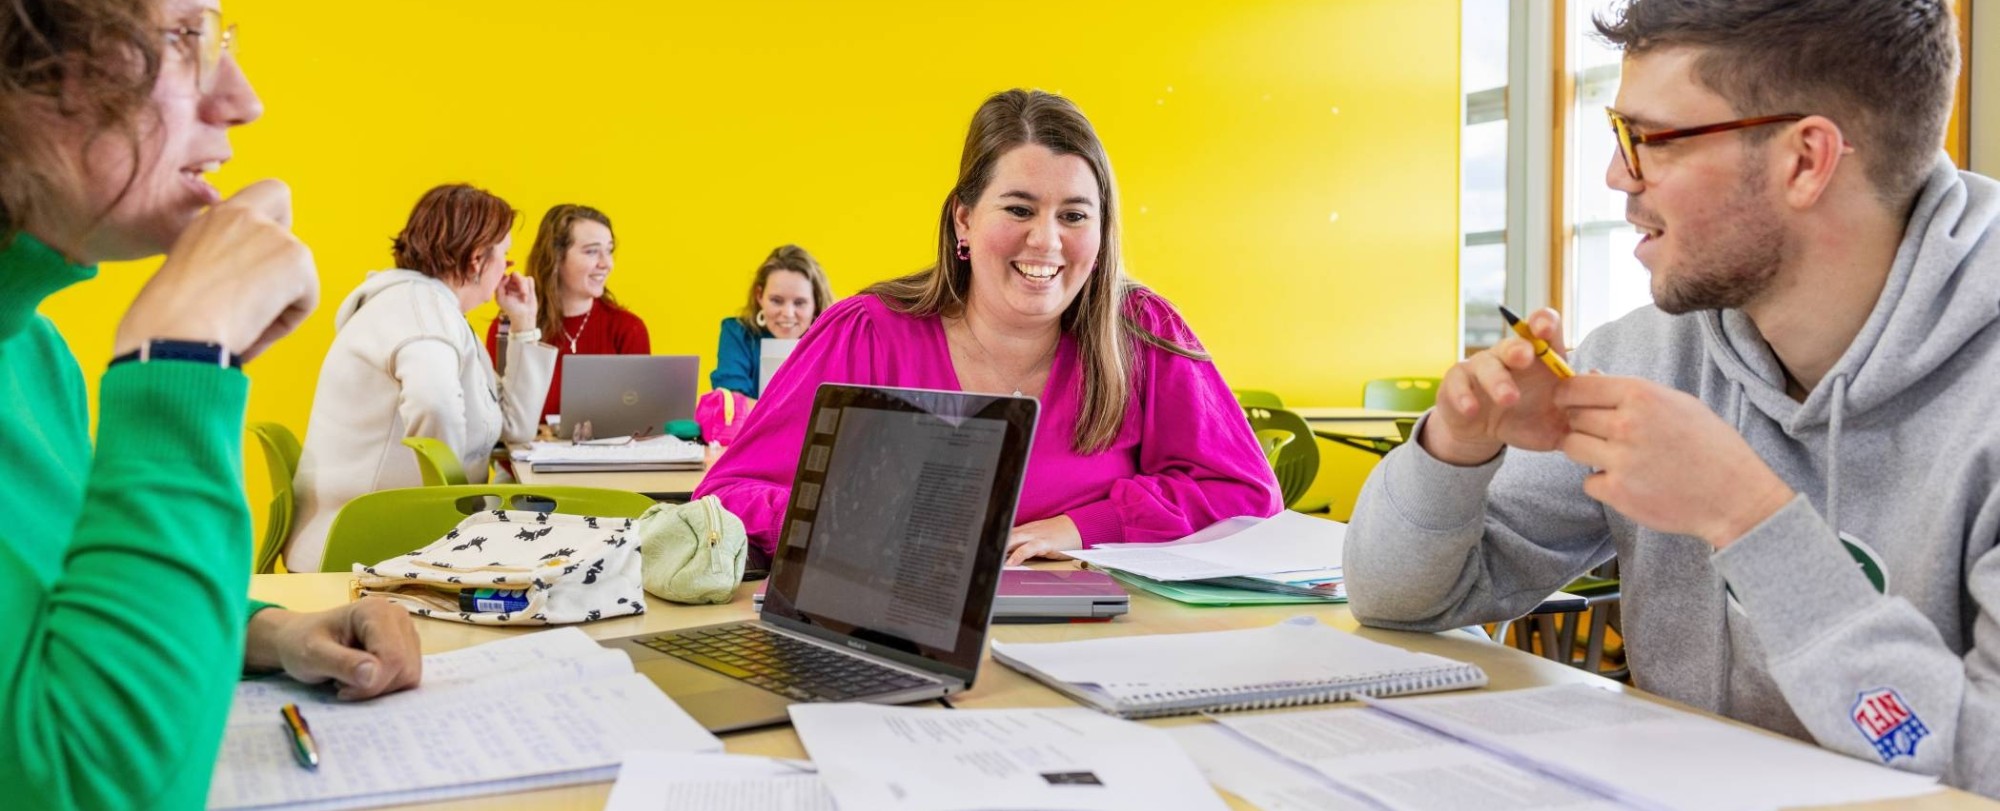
{"points": [[93, 62], [448, 228]]}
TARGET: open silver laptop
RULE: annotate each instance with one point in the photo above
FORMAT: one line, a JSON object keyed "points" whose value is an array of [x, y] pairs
{"points": [[627, 394], [771, 354], [882, 586]]}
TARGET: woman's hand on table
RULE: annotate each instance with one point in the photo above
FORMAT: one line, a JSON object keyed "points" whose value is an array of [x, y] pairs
{"points": [[369, 647], [1047, 538]]}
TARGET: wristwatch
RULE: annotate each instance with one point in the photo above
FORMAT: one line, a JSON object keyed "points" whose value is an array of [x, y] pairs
{"points": [[212, 354]]}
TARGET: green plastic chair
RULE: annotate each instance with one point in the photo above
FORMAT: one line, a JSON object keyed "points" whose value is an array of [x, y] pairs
{"points": [[387, 523], [281, 458], [436, 461], [1400, 393], [1288, 444], [1257, 398]]}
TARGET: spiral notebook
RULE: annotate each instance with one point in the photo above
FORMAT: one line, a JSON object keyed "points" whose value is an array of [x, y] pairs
{"points": [[1298, 661]]}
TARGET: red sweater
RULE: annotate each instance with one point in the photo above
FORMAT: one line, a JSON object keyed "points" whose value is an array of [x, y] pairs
{"points": [[606, 330]]}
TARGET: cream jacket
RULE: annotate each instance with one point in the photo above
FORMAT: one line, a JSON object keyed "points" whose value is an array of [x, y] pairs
{"points": [[405, 363]]}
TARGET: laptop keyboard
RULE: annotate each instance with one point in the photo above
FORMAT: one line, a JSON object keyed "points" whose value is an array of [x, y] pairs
{"points": [[789, 667]]}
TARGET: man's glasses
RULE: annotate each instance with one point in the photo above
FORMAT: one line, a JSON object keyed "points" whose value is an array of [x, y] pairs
{"points": [[1629, 139], [206, 44]]}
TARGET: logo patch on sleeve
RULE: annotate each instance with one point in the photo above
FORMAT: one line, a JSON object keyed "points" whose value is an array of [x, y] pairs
{"points": [[1888, 723]]}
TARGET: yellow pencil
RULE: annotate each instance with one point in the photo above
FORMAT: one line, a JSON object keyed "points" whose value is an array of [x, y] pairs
{"points": [[1550, 359]]}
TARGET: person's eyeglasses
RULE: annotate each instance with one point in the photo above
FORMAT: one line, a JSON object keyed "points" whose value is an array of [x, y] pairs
{"points": [[206, 44], [1629, 139]]}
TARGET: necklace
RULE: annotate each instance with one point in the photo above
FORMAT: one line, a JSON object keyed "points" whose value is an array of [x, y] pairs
{"points": [[579, 329], [1033, 368]]}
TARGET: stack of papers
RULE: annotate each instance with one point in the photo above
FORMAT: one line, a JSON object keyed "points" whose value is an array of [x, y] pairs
{"points": [[673, 781], [624, 453], [1570, 747], [1289, 554], [544, 709], [908, 759]]}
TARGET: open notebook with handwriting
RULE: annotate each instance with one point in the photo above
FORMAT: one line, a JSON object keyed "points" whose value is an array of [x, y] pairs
{"points": [[1298, 661], [544, 709]]}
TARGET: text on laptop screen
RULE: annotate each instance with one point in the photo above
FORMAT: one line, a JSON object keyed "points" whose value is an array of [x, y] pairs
{"points": [[899, 516], [899, 522]]}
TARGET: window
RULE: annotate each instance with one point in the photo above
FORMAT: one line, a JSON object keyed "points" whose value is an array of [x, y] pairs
{"points": [[1605, 281], [1483, 171]]}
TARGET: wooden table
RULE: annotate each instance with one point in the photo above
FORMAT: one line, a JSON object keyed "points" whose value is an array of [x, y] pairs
{"points": [[997, 686]]}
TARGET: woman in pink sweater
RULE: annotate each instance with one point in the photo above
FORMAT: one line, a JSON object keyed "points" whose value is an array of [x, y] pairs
{"points": [[1139, 438]]}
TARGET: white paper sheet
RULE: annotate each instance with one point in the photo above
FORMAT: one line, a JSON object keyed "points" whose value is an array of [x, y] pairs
{"points": [[1564, 746], [460, 735], [906, 759], [1270, 783], [544, 657], [1285, 542], [1649, 750], [1404, 767], [672, 781]]}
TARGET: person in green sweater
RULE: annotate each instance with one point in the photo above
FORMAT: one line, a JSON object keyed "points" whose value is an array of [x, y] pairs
{"points": [[123, 568]]}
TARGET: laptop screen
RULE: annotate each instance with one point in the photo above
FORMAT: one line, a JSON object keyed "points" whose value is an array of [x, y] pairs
{"points": [[899, 517]]}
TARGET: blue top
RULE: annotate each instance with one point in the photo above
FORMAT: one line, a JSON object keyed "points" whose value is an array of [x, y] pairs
{"points": [[736, 358]]}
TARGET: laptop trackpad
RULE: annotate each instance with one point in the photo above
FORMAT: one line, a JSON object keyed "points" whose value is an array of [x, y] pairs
{"points": [[717, 702]]}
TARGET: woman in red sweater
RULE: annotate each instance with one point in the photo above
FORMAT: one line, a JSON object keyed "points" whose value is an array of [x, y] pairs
{"points": [[570, 263]]}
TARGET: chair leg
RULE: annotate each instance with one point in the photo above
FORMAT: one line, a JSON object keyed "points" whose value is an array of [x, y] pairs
{"points": [[1600, 621], [1546, 628]]}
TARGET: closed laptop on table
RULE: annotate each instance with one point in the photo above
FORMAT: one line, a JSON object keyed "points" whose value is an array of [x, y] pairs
{"points": [[882, 586]]}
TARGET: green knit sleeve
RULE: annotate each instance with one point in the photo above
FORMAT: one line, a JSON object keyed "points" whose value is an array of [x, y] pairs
{"points": [[128, 659]]}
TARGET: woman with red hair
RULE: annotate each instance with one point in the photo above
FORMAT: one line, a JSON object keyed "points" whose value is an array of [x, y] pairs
{"points": [[405, 363]]}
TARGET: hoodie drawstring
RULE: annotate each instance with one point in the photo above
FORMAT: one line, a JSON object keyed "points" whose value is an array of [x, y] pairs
{"points": [[1833, 454]]}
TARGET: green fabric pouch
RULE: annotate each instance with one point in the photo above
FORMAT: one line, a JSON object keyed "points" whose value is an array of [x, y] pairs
{"points": [[692, 553]]}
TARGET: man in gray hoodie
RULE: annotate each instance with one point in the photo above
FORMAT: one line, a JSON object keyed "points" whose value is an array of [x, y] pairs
{"points": [[1794, 454]]}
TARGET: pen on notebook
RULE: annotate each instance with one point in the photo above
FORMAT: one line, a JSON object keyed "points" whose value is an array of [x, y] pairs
{"points": [[1542, 349], [303, 747]]}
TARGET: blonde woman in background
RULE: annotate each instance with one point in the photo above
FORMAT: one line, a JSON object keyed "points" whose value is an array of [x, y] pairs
{"points": [[789, 291], [570, 264]]}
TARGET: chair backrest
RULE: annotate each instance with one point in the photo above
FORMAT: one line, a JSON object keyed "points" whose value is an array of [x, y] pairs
{"points": [[1257, 398], [1400, 393], [281, 458], [1294, 459], [436, 461], [387, 523]]}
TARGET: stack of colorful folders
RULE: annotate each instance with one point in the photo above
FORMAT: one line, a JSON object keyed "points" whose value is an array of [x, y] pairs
{"points": [[1287, 558]]}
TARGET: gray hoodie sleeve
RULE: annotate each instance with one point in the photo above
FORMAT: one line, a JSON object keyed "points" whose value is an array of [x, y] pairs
{"points": [[1434, 546], [1868, 674]]}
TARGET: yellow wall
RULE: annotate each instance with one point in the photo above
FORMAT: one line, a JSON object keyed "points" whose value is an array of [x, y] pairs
{"points": [[1289, 169]]}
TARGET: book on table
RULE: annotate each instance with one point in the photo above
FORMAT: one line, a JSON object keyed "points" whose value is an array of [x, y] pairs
{"points": [[613, 455], [1298, 661], [545, 709]]}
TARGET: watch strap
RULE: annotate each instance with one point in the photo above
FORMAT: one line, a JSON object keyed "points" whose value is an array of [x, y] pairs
{"points": [[203, 352]]}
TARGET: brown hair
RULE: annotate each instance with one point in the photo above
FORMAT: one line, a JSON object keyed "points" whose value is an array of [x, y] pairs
{"points": [[796, 260], [447, 230], [90, 61], [1106, 337], [552, 243], [1882, 69]]}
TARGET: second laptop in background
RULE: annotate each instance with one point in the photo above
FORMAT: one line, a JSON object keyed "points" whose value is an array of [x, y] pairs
{"points": [[627, 394]]}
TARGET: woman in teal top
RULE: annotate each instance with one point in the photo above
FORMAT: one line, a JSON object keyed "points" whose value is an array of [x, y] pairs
{"points": [[122, 568], [789, 291]]}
